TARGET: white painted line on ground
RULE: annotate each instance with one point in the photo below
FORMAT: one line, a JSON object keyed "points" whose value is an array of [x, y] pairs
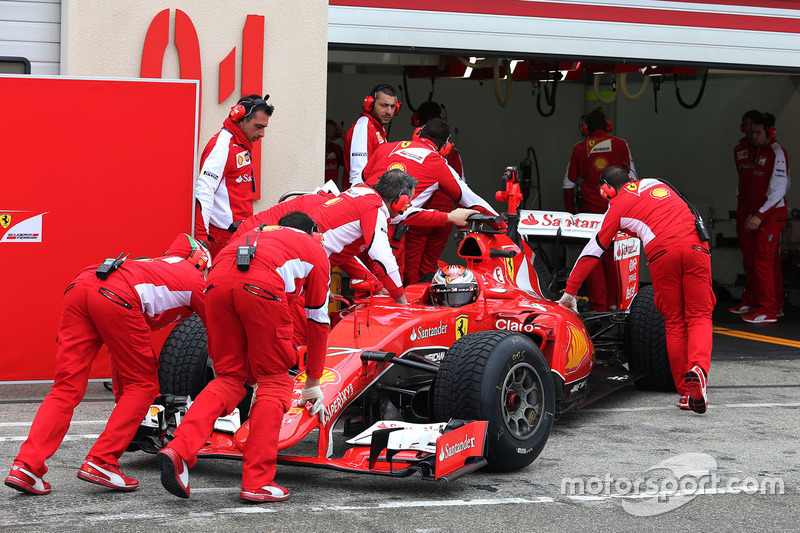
{"points": [[66, 439], [74, 422], [434, 503], [675, 408], [126, 516]]}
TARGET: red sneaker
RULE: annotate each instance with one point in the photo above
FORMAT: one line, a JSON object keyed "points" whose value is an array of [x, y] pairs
{"points": [[22, 479], [740, 308], [267, 493], [107, 475], [759, 318], [697, 382], [174, 472]]}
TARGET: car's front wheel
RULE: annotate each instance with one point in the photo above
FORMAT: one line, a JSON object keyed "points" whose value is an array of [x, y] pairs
{"points": [[503, 378]]}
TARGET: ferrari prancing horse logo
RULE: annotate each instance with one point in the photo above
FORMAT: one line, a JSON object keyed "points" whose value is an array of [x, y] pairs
{"points": [[462, 326], [5, 220]]}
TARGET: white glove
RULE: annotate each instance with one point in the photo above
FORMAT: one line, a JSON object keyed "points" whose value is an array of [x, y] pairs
{"points": [[313, 399], [569, 301]]}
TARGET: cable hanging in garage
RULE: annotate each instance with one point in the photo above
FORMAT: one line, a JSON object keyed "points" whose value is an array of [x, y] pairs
{"points": [[549, 96], [699, 95]]}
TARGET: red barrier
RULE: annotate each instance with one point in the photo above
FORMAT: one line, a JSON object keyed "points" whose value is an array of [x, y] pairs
{"points": [[91, 168]]}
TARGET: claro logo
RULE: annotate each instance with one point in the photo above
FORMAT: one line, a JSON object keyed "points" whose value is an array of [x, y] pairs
{"points": [[188, 45]]}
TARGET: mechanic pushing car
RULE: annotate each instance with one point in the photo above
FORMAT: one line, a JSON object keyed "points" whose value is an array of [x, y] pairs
{"points": [[680, 267], [225, 184], [422, 158], [249, 292], [117, 303]]}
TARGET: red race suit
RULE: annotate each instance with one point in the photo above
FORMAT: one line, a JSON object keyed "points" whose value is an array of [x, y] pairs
{"points": [[680, 267], [767, 194], [334, 160], [120, 311], [360, 143], [250, 341], [420, 159], [224, 189], [589, 159]]}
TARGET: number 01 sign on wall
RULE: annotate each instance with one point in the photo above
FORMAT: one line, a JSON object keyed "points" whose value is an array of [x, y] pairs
{"points": [[91, 168]]}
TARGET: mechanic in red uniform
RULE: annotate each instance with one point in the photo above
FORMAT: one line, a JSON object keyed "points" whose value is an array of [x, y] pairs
{"points": [[422, 159], [766, 219], [366, 133], [680, 267], [139, 296], [224, 188], [334, 156], [431, 239], [743, 154], [249, 341], [590, 157]]}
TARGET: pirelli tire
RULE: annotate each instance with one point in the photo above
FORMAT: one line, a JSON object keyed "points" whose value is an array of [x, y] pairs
{"points": [[646, 343], [503, 378], [184, 366]]}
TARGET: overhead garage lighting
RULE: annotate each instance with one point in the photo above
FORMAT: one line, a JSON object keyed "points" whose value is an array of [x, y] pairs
{"points": [[468, 71]]}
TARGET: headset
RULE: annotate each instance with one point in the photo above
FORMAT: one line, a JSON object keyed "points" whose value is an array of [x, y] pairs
{"points": [[607, 191], [585, 127], [402, 202], [443, 150], [240, 111], [771, 132], [200, 258], [369, 101]]}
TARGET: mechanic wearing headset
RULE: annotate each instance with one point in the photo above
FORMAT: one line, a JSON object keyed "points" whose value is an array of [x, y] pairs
{"points": [[590, 157], [366, 133], [225, 185], [680, 268], [430, 239], [743, 154], [249, 340], [766, 218], [117, 303], [422, 158]]}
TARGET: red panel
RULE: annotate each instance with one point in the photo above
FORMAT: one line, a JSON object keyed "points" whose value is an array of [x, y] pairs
{"points": [[100, 191], [227, 75], [576, 11], [253, 78], [155, 43]]}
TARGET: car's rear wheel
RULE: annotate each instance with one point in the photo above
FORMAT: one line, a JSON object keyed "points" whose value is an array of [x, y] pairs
{"points": [[503, 378], [646, 343], [184, 365]]}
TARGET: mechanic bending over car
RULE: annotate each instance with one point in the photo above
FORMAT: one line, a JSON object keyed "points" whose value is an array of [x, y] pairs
{"points": [[255, 280], [422, 158], [117, 303], [680, 268], [225, 184]]}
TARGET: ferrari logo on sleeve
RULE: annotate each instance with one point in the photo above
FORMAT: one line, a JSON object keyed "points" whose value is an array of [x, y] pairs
{"points": [[462, 326], [5, 220], [397, 166], [632, 186], [405, 144], [659, 193]]}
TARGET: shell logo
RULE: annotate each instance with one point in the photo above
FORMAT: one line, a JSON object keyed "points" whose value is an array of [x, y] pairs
{"points": [[578, 346], [600, 163], [397, 166], [332, 201], [659, 193], [328, 376]]}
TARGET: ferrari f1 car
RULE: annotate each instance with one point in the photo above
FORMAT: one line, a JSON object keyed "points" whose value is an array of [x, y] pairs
{"points": [[445, 390]]}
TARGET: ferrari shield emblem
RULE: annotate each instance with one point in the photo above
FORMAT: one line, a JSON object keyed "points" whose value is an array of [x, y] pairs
{"points": [[462, 326], [510, 267], [5, 220]]}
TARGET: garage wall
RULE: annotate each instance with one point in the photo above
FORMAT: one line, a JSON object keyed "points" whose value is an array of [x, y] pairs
{"points": [[32, 29], [690, 148]]}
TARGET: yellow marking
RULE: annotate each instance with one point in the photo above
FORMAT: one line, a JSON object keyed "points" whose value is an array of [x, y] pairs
{"points": [[756, 337]]}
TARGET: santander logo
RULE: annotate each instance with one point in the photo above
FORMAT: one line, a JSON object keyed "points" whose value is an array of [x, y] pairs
{"points": [[530, 220]]}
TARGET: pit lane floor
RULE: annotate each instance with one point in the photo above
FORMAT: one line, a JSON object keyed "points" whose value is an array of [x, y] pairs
{"points": [[736, 467]]}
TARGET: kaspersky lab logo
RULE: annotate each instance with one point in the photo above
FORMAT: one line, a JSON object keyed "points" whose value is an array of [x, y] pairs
{"points": [[423, 333]]}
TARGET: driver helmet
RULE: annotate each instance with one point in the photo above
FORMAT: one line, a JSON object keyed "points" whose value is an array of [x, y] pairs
{"points": [[454, 286]]}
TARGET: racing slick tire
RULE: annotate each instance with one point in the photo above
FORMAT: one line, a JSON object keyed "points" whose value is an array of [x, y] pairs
{"points": [[646, 343], [503, 378], [184, 365]]}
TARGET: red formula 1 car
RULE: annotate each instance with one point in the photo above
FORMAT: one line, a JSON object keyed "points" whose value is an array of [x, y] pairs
{"points": [[444, 390]]}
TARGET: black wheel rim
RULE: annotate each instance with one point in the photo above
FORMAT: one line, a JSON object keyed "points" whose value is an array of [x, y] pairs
{"points": [[523, 400]]}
